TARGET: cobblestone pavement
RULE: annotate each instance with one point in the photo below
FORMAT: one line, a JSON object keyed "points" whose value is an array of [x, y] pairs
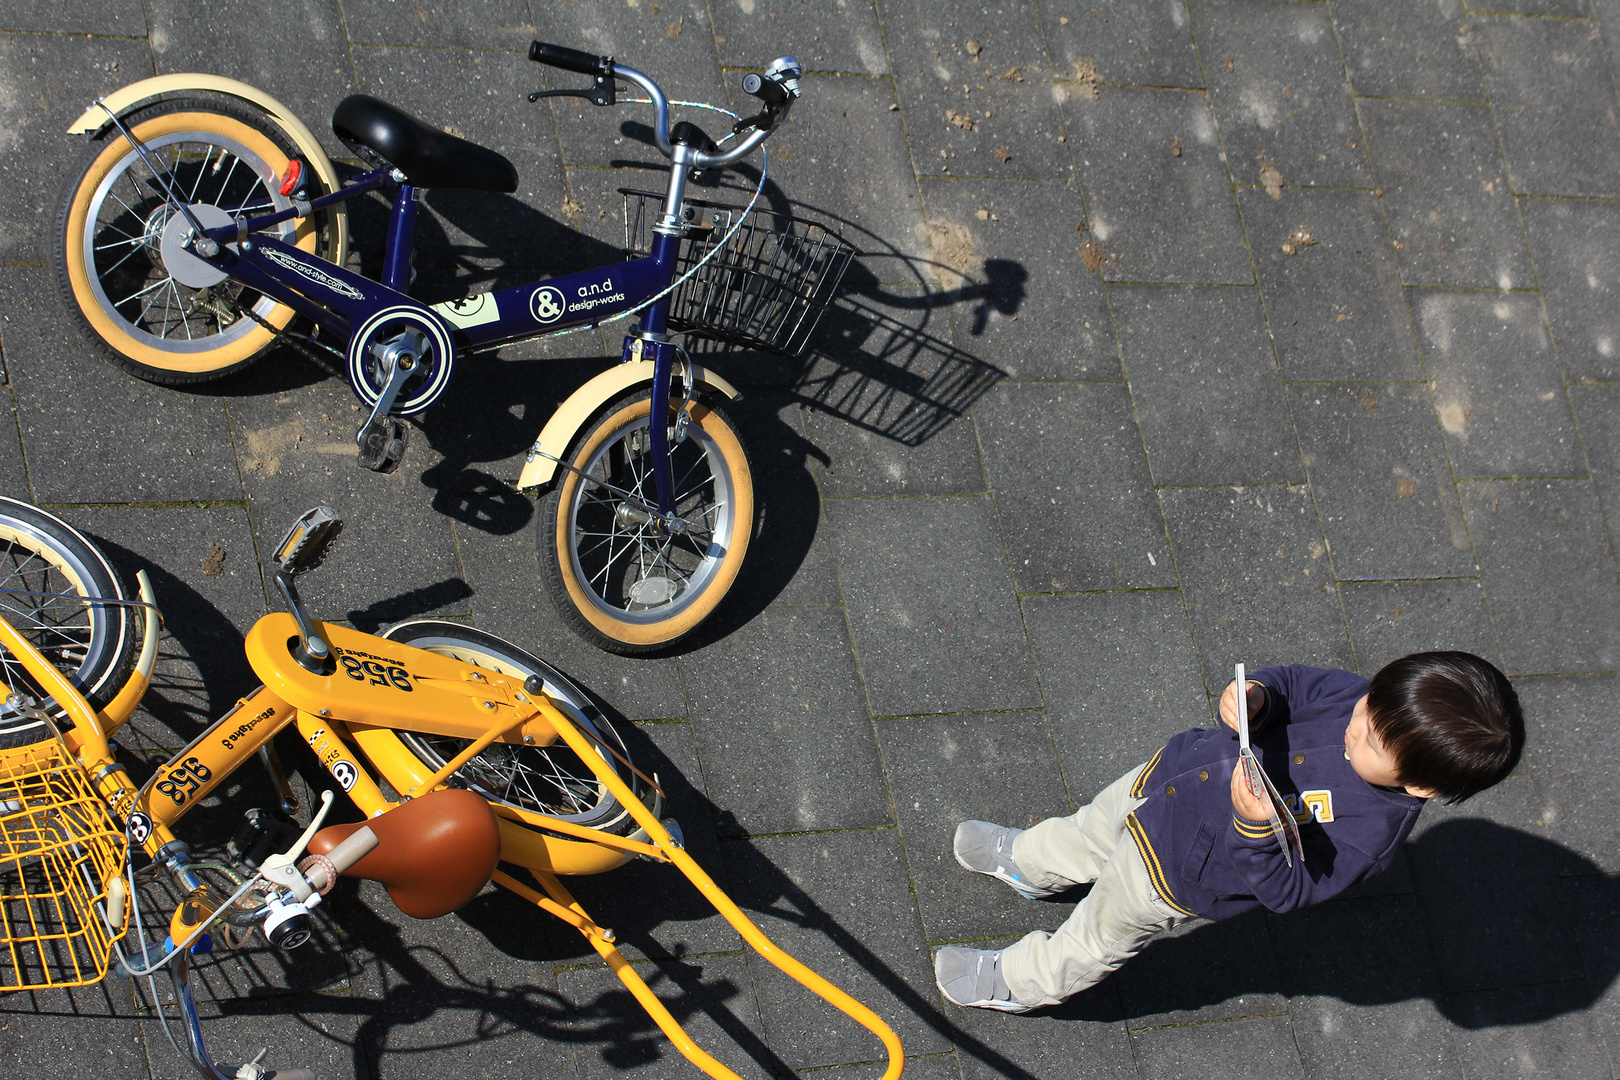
{"points": [[1183, 333]]}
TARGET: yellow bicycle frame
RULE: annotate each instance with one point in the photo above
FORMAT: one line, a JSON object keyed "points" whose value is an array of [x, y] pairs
{"points": [[377, 688]]}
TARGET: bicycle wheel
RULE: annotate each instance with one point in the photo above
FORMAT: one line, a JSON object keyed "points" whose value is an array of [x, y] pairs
{"points": [[118, 215], [617, 579], [48, 574], [550, 780]]}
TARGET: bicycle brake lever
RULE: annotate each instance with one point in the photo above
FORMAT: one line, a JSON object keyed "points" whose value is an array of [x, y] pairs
{"points": [[600, 94]]}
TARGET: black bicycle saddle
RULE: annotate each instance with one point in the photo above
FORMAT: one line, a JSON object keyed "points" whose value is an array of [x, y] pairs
{"points": [[428, 157]]}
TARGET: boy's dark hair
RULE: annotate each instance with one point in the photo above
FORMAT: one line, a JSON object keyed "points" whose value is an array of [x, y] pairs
{"points": [[1450, 720]]}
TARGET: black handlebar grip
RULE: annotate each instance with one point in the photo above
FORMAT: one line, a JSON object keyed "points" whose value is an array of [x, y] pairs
{"points": [[560, 56], [768, 91]]}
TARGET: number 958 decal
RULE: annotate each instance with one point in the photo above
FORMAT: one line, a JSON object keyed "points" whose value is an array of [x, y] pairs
{"points": [[377, 674]]}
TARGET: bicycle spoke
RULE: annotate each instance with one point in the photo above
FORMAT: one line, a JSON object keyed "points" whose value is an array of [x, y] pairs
{"points": [[141, 292]]}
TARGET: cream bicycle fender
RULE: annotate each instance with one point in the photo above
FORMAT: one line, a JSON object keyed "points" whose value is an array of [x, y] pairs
{"points": [[94, 119], [586, 402]]}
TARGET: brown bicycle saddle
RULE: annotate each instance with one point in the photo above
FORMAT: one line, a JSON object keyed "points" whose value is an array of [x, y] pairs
{"points": [[433, 854]]}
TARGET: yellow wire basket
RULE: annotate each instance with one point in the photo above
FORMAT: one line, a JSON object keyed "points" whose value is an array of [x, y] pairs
{"points": [[59, 849]]}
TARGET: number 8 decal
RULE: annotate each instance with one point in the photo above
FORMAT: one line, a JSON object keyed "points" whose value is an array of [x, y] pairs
{"points": [[345, 773]]}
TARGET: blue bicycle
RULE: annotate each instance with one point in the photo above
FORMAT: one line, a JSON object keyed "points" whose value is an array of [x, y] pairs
{"points": [[202, 230]]}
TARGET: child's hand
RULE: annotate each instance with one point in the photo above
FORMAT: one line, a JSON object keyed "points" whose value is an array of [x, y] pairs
{"points": [[1246, 803], [1257, 701]]}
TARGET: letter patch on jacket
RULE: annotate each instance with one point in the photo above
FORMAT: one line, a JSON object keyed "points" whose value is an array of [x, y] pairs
{"points": [[1310, 805]]}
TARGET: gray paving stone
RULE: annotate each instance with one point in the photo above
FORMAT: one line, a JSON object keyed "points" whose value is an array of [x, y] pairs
{"points": [[782, 729], [1381, 481], [307, 69], [1251, 569], [1361, 990], [845, 154], [1201, 971], [91, 1029], [1129, 42], [124, 18], [119, 1047], [1494, 910], [1497, 389], [200, 669], [1595, 899], [1392, 619], [1205, 385], [1572, 764], [711, 998], [13, 467], [835, 901], [887, 400], [1038, 314], [37, 119], [1073, 493], [931, 607], [1445, 193], [397, 558], [1263, 1043], [1554, 103], [841, 38], [1574, 9], [454, 1000], [482, 24], [1419, 50], [991, 112], [944, 770], [1548, 574], [1335, 308], [1120, 676], [1565, 1044], [1280, 93], [72, 407], [684, 65], [1578, 273], [1160, 216], [1598, 409]]}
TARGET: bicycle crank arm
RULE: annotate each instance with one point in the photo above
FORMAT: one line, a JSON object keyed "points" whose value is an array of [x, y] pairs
{"points": [[672, 521]]}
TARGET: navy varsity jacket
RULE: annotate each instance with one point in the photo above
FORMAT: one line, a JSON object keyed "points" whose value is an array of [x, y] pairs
{"points": [[1205, 860]]}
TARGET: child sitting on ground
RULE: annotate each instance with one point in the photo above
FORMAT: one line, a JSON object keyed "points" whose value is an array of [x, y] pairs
{"points": [[1355, 759]]}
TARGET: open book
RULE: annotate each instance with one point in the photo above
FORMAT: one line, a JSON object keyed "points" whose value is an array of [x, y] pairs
{"points": [[1260, 785]]}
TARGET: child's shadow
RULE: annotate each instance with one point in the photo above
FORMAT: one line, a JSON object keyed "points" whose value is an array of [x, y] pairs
{"points": [[1495, 926]]}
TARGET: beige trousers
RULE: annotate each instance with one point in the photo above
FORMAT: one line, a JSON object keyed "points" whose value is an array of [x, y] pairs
{"points": [[1112, 923]]}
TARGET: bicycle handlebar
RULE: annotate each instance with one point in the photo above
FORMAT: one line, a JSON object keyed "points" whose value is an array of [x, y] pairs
{"points": [[560, 56], [778, 88], [356, 846]]}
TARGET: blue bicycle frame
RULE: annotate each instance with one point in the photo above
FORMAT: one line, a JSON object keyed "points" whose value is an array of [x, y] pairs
{"points": [[351, 307]]}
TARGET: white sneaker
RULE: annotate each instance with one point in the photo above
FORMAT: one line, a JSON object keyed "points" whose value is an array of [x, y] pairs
{"points": [[986, 848], [972, 978]]}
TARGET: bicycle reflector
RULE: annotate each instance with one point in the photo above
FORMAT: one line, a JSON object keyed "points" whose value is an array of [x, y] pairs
{"points": [[309, 540], [295, 169]]}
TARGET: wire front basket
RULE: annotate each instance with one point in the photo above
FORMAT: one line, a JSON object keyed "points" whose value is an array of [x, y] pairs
{"points": [[59, 847], [766, 290]]}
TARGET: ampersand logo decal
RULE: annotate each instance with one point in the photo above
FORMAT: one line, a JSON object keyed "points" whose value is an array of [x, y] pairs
{"points": [[547, 304]]}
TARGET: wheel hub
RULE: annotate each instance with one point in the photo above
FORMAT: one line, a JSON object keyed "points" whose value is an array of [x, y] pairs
{"points": [[178, 260]]}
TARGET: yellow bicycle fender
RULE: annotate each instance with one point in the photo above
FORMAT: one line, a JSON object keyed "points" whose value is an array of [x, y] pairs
{"points": [[94, 119], [585, 402]]}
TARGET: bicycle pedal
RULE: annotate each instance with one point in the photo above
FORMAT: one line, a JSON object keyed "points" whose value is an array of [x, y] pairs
{"points": [[382, 444]]}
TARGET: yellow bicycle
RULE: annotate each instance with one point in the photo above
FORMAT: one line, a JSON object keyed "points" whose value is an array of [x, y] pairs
{"points": [[462, 751]]}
